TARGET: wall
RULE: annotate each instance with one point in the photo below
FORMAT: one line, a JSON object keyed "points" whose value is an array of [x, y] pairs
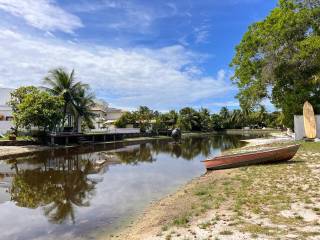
{"points": [[5, 126], [299, 127], [114, 115]]}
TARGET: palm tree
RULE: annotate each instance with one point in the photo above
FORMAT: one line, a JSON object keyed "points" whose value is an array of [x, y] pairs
{"points": [[83, 103], [64, 84], [236, 118]]}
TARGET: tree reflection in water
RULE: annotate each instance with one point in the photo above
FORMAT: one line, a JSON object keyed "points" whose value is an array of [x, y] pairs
{"points": [[58, 187], [58, 181], [136, 153], [188, 149]]}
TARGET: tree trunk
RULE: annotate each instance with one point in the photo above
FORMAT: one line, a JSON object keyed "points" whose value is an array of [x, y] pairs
{"points": [[64, 115], [79, 124]]}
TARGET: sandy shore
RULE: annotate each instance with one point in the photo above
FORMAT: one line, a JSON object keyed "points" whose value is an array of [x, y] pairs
{"points": [[11, 151], [278, 201], [15, 151]]}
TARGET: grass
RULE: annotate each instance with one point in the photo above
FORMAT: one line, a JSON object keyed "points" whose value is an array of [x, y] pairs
{"points": [[226, 232], [263, 191], [21, 138], [257, 230]]}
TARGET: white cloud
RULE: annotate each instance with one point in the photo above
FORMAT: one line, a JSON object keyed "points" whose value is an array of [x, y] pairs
{"points": [[226, 104], [160, 78], [42, 14], [201, 33]]}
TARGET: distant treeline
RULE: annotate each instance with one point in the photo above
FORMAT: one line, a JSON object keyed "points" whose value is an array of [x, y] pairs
{"points": [[189, 119]]}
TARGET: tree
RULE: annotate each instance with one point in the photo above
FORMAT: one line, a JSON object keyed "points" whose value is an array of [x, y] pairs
{"points": [[83, 104], [64, 84], [189, 119], [125, 119], [279, 58], [216, 121], [225, 117], [40, 109], [236, 119], [16, 98], [205, 121], [144, 116]]}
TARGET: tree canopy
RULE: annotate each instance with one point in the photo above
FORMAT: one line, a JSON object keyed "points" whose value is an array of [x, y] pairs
{"points": [[279, 58], [40, 109]]}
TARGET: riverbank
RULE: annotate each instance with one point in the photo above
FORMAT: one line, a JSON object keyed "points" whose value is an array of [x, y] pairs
{"points": [[278, 201], [17, 151], [20, 150]]}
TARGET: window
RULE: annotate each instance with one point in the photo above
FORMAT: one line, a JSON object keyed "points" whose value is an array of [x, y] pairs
{"points": [[8, 118]]}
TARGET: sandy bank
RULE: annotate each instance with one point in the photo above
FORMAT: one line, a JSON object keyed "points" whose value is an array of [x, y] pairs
{"points": [[257, 202], [17, 151]]}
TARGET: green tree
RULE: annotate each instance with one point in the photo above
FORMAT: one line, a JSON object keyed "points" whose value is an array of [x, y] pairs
{"points": [[82, 107], [61, 83], [216, 121], [125, 119], [16, 98], [205, 121], [144, 116], [40, 109], [189, 119], [225, 117], [236, 119], [279, 58]]}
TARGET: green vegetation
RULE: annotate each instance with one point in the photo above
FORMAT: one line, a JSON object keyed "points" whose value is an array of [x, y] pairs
{"points": [[76, 95], [47, 109], [189, 119], [279, 58], [39, 109]]}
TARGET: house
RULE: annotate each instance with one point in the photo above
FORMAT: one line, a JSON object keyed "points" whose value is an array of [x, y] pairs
{"points": [[6, 118], [105, 116], [104, 119], [100, 110]]}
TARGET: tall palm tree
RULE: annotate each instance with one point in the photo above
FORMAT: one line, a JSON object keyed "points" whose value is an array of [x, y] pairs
{"points": [[82, 107], [64, 84]]}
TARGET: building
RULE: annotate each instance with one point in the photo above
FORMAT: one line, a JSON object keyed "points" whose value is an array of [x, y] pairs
{"points": [[105, 116], [6, 117], [104, 119]]}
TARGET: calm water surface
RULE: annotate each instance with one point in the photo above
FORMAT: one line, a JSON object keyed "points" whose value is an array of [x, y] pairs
{"points": [[79, 193]]}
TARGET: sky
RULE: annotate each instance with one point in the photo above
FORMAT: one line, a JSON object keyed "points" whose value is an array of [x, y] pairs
{"points": [[162, 54]]}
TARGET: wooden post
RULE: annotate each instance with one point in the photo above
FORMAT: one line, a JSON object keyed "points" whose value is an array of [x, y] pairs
{"points": [[67, 140]]}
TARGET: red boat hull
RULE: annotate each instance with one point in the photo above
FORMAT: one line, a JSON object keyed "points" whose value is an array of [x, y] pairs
{"points": [[257, 157]]}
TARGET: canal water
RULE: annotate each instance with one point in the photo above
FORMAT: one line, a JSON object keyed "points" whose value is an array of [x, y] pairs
{"points": [[77, 193]]}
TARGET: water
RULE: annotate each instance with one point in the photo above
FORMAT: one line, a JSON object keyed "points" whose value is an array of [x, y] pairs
{"points": [[79, 193]]}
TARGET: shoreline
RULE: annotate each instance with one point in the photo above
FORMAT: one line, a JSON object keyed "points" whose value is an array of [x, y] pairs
{"points": [[169, 217], [20, 151]]}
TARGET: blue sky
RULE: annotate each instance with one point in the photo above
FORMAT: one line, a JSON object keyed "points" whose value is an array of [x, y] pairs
{"points": [[163, 54]]}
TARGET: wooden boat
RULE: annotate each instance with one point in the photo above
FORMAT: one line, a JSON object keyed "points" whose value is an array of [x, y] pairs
{"points": [[257, 157]]}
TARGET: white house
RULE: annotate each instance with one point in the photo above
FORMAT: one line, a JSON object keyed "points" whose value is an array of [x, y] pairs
{"points": [[5, 111], [104, 120], [105, 116]]}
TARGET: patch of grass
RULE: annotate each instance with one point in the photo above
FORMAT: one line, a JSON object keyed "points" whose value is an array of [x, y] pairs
{"points": [[164, 228], [181, 221], [204, 225], [226, 232], [258, 229], [309, 234]]}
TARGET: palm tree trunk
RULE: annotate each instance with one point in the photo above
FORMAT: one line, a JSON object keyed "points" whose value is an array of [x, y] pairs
{"points": [[64, 115]]}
